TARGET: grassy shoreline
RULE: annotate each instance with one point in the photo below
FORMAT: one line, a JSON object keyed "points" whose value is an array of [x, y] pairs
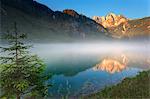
{"points": [[137, 87]]}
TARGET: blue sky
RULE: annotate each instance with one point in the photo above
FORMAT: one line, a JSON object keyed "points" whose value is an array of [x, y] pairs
{"points": [[128, 8]]}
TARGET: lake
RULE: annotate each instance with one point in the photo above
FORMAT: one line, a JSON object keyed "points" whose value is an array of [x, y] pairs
{"points": [[73, 65]]}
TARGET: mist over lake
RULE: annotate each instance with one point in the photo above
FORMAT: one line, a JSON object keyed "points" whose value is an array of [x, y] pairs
{"points": [[72, 65], [72, 49]]}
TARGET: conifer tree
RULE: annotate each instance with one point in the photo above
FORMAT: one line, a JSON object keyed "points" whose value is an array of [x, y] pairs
{"points": [[21, 73]]}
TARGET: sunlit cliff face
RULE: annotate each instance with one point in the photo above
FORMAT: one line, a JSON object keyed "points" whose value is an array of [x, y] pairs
{"points": [[110, 20], [112, 65]]}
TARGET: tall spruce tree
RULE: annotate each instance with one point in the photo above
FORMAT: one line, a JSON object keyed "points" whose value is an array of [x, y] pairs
{"points": [[21, 73]]}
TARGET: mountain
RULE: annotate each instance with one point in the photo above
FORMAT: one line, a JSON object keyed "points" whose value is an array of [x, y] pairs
{"points": [[111, 20], [43, 24], [122, 27], [132, 28], [71, 13]]}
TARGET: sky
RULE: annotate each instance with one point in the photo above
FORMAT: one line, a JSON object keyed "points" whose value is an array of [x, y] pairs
{"points": [[129, 8]]}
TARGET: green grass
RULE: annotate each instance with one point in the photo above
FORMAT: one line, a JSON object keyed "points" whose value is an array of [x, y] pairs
{"points": [[132, 88]]}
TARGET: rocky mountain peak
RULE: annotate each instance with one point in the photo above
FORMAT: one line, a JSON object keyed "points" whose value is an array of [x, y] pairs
{"points": [[71, 12], [110, 20], [111, 15]]}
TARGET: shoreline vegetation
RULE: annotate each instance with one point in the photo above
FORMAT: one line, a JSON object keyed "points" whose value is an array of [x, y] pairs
{"points": [[137, 87]]}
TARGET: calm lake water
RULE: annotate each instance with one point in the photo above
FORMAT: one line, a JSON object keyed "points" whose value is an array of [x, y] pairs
{"points": [[72, 66]]}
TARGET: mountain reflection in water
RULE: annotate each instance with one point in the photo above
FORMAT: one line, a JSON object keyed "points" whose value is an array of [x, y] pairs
{"points": [[72, 65], [112, 65]]}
